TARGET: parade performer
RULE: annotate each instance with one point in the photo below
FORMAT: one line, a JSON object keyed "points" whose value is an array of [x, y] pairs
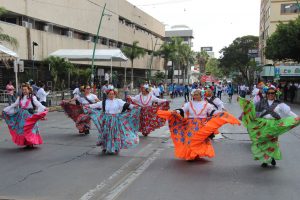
{"points": [[215, 101], [116, 125], [265, 122], [75, 112], [22, 118], [150, 104], [192, 126]]}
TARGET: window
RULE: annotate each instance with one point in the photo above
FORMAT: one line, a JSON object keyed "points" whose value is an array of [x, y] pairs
{"points": [[289, 8]]}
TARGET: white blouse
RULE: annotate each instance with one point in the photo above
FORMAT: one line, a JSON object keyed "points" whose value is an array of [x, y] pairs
{"points": [[219, 103], [114, 106], [10, 109], [90, 97], [282, 109], [42, 95], [195, 107], [146, 100]]}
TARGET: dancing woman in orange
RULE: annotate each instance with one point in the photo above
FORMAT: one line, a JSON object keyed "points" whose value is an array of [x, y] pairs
{"points": [[192, 126]]}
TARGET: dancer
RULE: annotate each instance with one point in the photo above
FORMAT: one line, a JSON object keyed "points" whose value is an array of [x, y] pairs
{"points": [[150, 104], [215, 101], [192, 128], [265, 122], [75, 112], [22, 118], [117, 127]]}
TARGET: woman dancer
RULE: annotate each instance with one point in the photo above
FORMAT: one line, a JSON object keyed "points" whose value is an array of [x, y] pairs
{"points": [[117, 127], [192, 128], [150, 104], [265, 122], [22, 118], [75, 112]]}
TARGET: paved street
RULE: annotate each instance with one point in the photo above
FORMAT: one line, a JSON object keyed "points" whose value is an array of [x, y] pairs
{"points": [[70, 166]]}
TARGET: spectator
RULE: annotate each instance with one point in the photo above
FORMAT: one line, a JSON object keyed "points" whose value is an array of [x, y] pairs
{"points": [[292, 90], [10, 90]]}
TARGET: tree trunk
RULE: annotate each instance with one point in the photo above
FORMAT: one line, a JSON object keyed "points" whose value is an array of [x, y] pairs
{"points": [[131, 84]]}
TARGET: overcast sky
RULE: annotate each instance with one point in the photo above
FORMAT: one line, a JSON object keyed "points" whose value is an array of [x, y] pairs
{"points": [[215, 23]]}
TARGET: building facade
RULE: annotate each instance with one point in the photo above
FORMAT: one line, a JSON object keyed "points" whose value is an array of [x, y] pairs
{"points": [[271, 13], [65, 24]]}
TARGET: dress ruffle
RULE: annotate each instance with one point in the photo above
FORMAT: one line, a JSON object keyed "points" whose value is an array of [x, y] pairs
{"points": [[264, 133], [76, 113], [191, 136], [117, 131], [23, 127], [149, 121]]}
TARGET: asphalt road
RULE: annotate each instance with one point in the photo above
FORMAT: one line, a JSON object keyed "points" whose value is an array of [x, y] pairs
{"points": [[70, 166]]}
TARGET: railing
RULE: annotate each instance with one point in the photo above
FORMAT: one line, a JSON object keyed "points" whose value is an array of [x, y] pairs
{"points": [[55, 97]]}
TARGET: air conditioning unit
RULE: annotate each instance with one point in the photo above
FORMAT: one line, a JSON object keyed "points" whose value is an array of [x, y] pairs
{"points": [[89, 39], [46, 28], [26, 24], [70, 34]]}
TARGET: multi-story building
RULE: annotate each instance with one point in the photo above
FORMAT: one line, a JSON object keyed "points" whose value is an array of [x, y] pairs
{"points": [[65, 24], [186, 33], [271, 13]]}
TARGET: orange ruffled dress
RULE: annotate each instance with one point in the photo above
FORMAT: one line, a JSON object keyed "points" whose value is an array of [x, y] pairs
{"points": [[191, 135]]}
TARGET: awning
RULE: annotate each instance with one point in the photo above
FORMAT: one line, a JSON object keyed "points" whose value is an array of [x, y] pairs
{"points": [[5, 52], [87, 54]]}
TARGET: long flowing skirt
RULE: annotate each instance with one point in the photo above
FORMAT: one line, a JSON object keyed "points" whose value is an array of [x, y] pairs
{"points": [[23, 127], [117, 131], [191, 136], [75, 112], [149, 121], [264, 133]]}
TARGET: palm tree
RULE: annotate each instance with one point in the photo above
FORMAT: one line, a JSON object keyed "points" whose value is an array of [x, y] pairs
{"points": [[186, 58], [132, 53], [202, 58], [4, 37]]}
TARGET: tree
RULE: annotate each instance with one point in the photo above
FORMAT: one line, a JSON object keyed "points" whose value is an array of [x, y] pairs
{"points": [[235, 58], [4, 37], [60, 70], [186, 56], [284, 43], [132, 53], [158, 77], [202, 58], [212, 66], [166, 50]]}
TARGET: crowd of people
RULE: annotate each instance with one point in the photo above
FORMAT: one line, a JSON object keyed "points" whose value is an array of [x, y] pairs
{"points": [[192, 126]]}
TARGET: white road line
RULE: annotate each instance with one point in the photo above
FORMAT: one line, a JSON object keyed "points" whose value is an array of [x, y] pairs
{"points": [[133, 176], [92, 193]]}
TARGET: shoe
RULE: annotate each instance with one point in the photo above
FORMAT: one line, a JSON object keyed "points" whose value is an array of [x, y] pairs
{"points": [[264, 165], [212, 136], [273, 162], [103, 150], [87, 132]]}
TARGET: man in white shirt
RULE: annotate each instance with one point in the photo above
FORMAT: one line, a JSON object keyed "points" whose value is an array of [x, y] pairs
{"points": [[42, 95]]}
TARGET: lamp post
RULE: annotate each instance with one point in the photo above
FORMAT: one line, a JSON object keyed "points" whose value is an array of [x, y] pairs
{"points": [[33, 45], [95, 44]]}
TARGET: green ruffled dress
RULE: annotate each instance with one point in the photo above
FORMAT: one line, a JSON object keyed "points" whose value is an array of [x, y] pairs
{"points": [[264, 133]]}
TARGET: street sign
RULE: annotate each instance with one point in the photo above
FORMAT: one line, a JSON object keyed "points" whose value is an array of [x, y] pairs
{"points": [[206, 49], [21, 66]]}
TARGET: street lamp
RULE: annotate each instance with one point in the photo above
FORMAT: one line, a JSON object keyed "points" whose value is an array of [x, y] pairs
{"points": [[33, 45]]}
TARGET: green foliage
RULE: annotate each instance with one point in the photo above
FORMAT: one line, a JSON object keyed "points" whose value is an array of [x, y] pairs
{"points": [[236, 60], [202, 58], [158, 77], [59, 69], [132, 53], [4, 37], [284, 43], [213, 67]]}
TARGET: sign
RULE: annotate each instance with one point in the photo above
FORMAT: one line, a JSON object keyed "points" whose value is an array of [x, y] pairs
{"points": [[289, 70], [277, 73], [21, 66], [206, 49]]}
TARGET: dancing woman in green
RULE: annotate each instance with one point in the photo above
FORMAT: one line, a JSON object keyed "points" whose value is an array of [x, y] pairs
{"points": [[265, 122]]}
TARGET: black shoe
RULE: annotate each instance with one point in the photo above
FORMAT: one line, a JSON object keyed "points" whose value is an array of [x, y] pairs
{"points": [[87, 132], [103, 150], [264, 165], [273, 162], [212, 136]]}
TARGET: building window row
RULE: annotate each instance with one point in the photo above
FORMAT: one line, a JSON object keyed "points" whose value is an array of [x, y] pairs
{"points": [[31, 23], [290, 8]]}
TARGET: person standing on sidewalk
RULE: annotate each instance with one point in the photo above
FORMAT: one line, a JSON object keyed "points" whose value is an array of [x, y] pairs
{"points": [[10, 90], [293, 90]]}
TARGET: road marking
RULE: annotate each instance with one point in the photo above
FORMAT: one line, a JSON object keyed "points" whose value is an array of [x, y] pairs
{"points": [[129, 177]]}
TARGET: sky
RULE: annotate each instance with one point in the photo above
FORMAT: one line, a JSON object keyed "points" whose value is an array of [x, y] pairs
{"points": [[215, 23]]}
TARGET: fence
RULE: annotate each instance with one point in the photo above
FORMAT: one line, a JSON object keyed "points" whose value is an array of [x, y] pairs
{"points": [[55, 97]]}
